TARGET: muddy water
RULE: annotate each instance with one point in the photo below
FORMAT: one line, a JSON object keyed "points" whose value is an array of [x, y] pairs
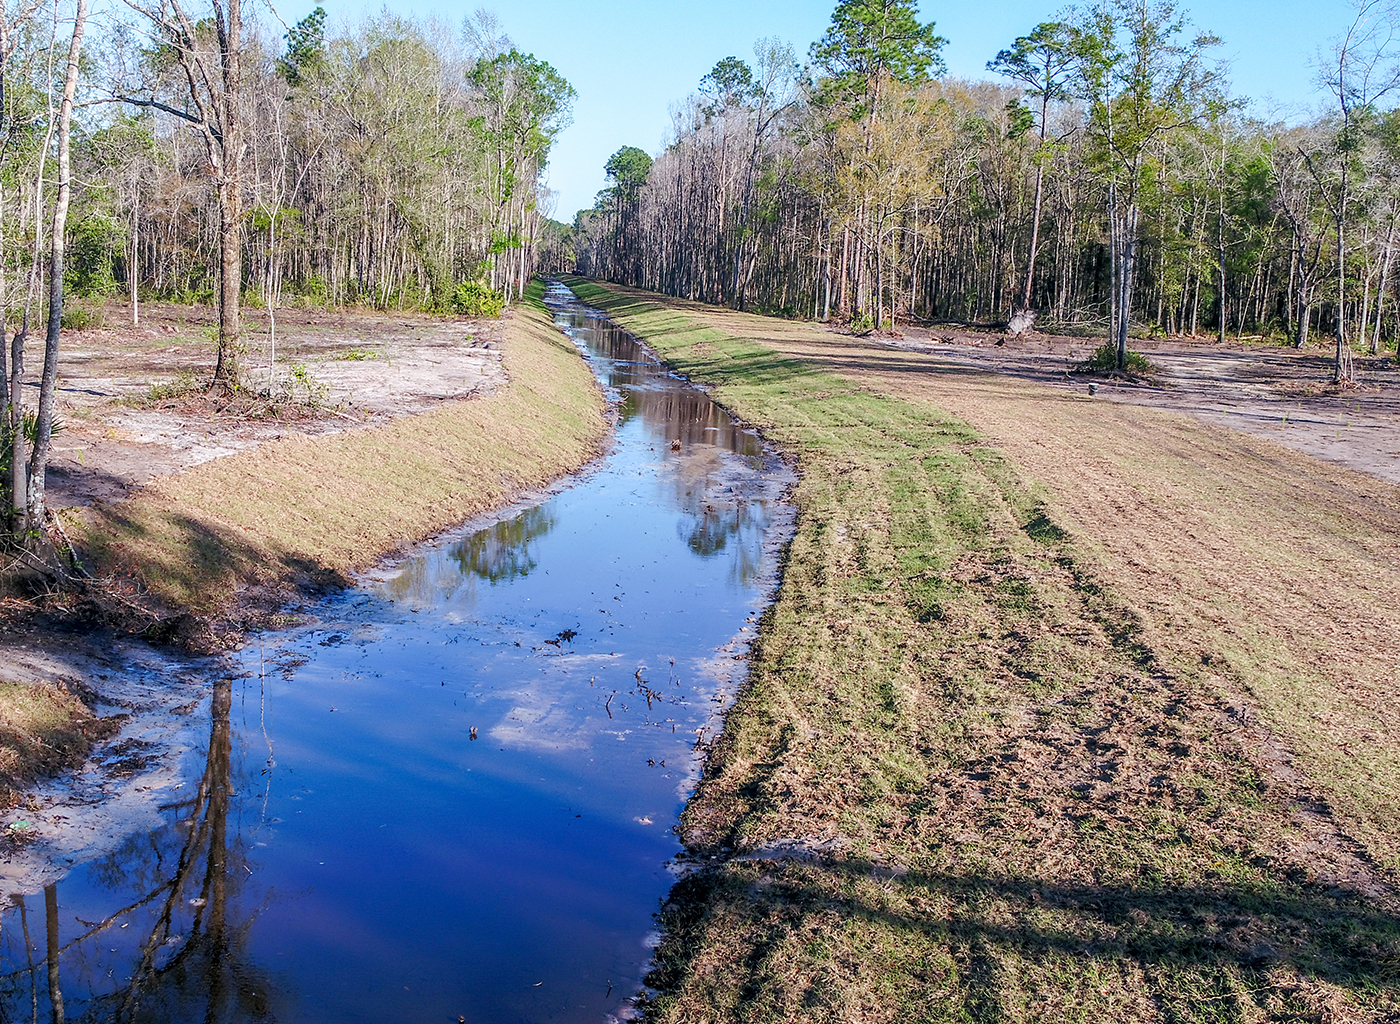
{"points": [[452, 795]]}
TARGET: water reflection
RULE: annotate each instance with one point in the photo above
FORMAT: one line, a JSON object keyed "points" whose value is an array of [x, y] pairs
{"points": [[504, 551], [173, 950], [499, 553]]}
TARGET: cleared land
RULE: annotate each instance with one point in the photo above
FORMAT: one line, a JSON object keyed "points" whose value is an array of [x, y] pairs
{"points": [[132, 408], [1067, 709]]}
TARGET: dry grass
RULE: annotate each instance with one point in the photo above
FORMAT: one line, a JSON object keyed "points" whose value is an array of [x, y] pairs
{"points": [[43, 730], [302, 509], [1023, 676]]}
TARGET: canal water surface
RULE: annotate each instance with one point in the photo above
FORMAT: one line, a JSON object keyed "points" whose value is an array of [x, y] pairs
{"points": [[452, 794]]}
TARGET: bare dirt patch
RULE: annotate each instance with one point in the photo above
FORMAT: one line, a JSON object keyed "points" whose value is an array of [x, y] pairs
{"points": [[1270, 391], [333, 372]]}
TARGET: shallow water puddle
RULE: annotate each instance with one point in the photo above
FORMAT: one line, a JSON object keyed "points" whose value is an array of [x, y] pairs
{"points": [[453, 795]]}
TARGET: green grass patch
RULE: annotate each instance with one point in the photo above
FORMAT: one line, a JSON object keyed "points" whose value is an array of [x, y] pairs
{"points": [[1104, 359]]}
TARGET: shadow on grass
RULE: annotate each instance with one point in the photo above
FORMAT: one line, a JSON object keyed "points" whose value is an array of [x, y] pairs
{"points": [[183, 567], [1235, 934]]}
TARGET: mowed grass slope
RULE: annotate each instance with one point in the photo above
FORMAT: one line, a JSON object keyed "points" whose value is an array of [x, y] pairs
{"points": [[303, 508], [1005, 752]]}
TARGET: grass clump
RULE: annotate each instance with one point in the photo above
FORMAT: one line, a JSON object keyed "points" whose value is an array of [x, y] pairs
{"points": [[79, 317], [186, 384]]}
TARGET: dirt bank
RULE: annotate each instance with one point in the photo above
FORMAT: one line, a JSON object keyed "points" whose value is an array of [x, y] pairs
{"points": [[1067, 707]]}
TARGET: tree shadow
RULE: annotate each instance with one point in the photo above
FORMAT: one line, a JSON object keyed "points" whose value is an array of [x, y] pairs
{"points": [[1246, 934]]}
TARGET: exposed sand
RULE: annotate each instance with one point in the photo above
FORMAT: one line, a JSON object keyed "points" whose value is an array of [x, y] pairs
{"points": [[363, 368]]}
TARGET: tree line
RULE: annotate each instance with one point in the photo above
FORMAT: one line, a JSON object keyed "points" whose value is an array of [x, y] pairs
{"points": [[1102, 178], [392, 163]]}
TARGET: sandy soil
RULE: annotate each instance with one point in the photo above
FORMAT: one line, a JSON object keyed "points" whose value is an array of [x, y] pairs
{"points": [[362, 368], [1266, 390]]}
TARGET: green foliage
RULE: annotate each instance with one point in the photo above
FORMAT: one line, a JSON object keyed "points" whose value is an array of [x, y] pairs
{"points": [[313, 293], [79, 317], [628, 167], [528, 102], [1146, 78], [303, 387], [1020, 119], [357, 355], [472, 298], [93, 243], [730, 83], [1042, 61], [1104, 359], [306, 48], [869, 41]]}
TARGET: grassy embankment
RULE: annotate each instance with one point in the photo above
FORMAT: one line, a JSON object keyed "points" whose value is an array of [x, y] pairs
{"points": [[1062, 715], [226, 542], [303, 509]]}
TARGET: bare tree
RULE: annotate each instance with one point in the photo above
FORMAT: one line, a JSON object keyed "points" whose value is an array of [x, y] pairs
{"points": [[1363, 71], [209, 53]]}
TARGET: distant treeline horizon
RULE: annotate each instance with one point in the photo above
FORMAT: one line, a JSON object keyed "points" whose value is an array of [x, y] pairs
{"points": [[1102, 176]]}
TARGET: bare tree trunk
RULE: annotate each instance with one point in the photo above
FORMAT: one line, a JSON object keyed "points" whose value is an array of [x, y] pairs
{"points": [[1380, 291], [1035, 216], [1341, 277], [38, 461], [1220, 259], [19, 464], [133, 273], [1125, 282]]}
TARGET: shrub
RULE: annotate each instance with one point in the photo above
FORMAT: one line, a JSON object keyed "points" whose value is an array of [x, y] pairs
{"points": [[77, 318], [1104, 359], [472, 298], [862, 325], [300, 385]]}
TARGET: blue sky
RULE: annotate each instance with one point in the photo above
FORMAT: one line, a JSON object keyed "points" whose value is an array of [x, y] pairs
{"points": [[631, 59]]}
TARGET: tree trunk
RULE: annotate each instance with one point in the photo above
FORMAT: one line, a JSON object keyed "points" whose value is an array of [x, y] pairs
{"points": [[132, 273], [38, 461], [1125, 283], [1341, 277], [1380, 291], [230, 203], [19, 465], [1035, 216]]}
